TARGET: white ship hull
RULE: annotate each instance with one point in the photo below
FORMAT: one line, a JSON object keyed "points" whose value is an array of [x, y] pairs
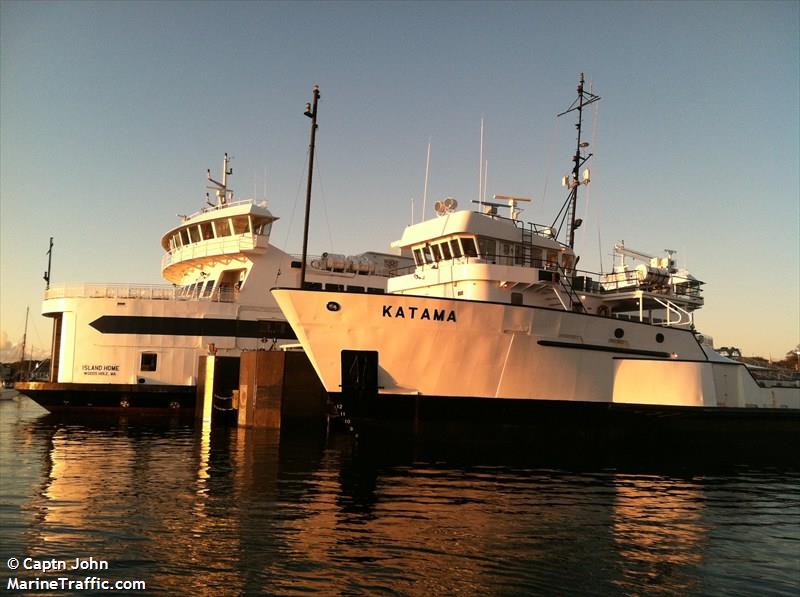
{"points": [[448, 348]]}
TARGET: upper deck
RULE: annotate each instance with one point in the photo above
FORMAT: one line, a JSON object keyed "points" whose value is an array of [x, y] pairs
{"points": [[482, 256], [222, 230]]}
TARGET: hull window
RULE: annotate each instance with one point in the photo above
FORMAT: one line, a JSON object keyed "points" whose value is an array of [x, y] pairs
{"points": [[149, 361]]}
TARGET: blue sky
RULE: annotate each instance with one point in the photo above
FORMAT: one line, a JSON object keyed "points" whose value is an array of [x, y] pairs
{"points": [[111, 112]]}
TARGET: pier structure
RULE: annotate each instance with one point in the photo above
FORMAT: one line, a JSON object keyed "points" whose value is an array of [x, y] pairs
{"points": [[261, 389]]}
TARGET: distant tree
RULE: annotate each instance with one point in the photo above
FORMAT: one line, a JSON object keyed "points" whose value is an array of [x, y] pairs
{"points": [[792, 359]]}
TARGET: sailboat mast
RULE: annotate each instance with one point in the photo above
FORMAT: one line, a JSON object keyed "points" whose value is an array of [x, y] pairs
{"points": [[24, 341], [311, 112]]}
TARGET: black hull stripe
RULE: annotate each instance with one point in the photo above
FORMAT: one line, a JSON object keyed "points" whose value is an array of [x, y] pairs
{"points": [[644, 353], [191, 326]]}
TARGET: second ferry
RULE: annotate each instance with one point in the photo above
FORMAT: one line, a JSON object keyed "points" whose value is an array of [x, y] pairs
{"points": [[126, 346]]}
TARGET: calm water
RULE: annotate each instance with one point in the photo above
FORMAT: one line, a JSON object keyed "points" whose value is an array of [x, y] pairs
{"points": [[231, 511]]}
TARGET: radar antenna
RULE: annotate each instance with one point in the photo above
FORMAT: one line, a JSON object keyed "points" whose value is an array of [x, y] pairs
{"points": [[221, 190], [568, 209]]}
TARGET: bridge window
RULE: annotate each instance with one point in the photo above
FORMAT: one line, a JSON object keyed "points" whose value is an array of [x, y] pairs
{"points": [[184, 237], [519, 255], [418, 257], [263, 227], [241, 224], [206, 230], [456, 248], [426, 252], [445, 248], [536, 257], [223, 227], [194, 234], [437, 254], [487, 248], [469, 247]]}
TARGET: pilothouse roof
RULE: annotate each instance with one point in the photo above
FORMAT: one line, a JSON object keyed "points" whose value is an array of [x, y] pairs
{"points": [[471, 223]]}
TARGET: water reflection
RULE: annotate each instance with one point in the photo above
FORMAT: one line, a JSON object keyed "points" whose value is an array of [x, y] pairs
{"points": [[659, 531], [234, 511]]}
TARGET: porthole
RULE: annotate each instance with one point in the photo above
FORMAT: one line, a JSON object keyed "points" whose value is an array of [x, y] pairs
{"points": [[333, 306], [659, 337], [619, 333]]}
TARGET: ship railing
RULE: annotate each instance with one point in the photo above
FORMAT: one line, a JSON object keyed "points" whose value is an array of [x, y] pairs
{"points": [[579, 280], [628, 280], [118, 291], [225, 245], [211, 208], [348, 267], [141, 291], [528, 228]]}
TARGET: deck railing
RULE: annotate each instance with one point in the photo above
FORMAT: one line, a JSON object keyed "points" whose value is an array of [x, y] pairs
{"points": [[226, 245], [157, 292], [118, 291], [580, 280]]}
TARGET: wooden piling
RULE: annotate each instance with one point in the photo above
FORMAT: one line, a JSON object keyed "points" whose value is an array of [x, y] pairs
{"points": [[277, 387]]}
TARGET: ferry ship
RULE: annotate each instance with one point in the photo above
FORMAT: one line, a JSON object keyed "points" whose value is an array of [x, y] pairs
{"points": [[121, 346], [494, 319]]}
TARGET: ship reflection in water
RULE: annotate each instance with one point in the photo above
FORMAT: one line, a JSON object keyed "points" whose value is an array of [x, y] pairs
{"points": [[231, 511]]}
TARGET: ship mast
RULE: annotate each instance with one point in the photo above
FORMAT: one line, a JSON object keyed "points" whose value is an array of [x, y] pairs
{"points": [[311, 112], [49, 264], [569, 208]]}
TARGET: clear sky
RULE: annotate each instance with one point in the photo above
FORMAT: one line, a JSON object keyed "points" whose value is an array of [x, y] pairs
{"points": [[111, 112]]}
